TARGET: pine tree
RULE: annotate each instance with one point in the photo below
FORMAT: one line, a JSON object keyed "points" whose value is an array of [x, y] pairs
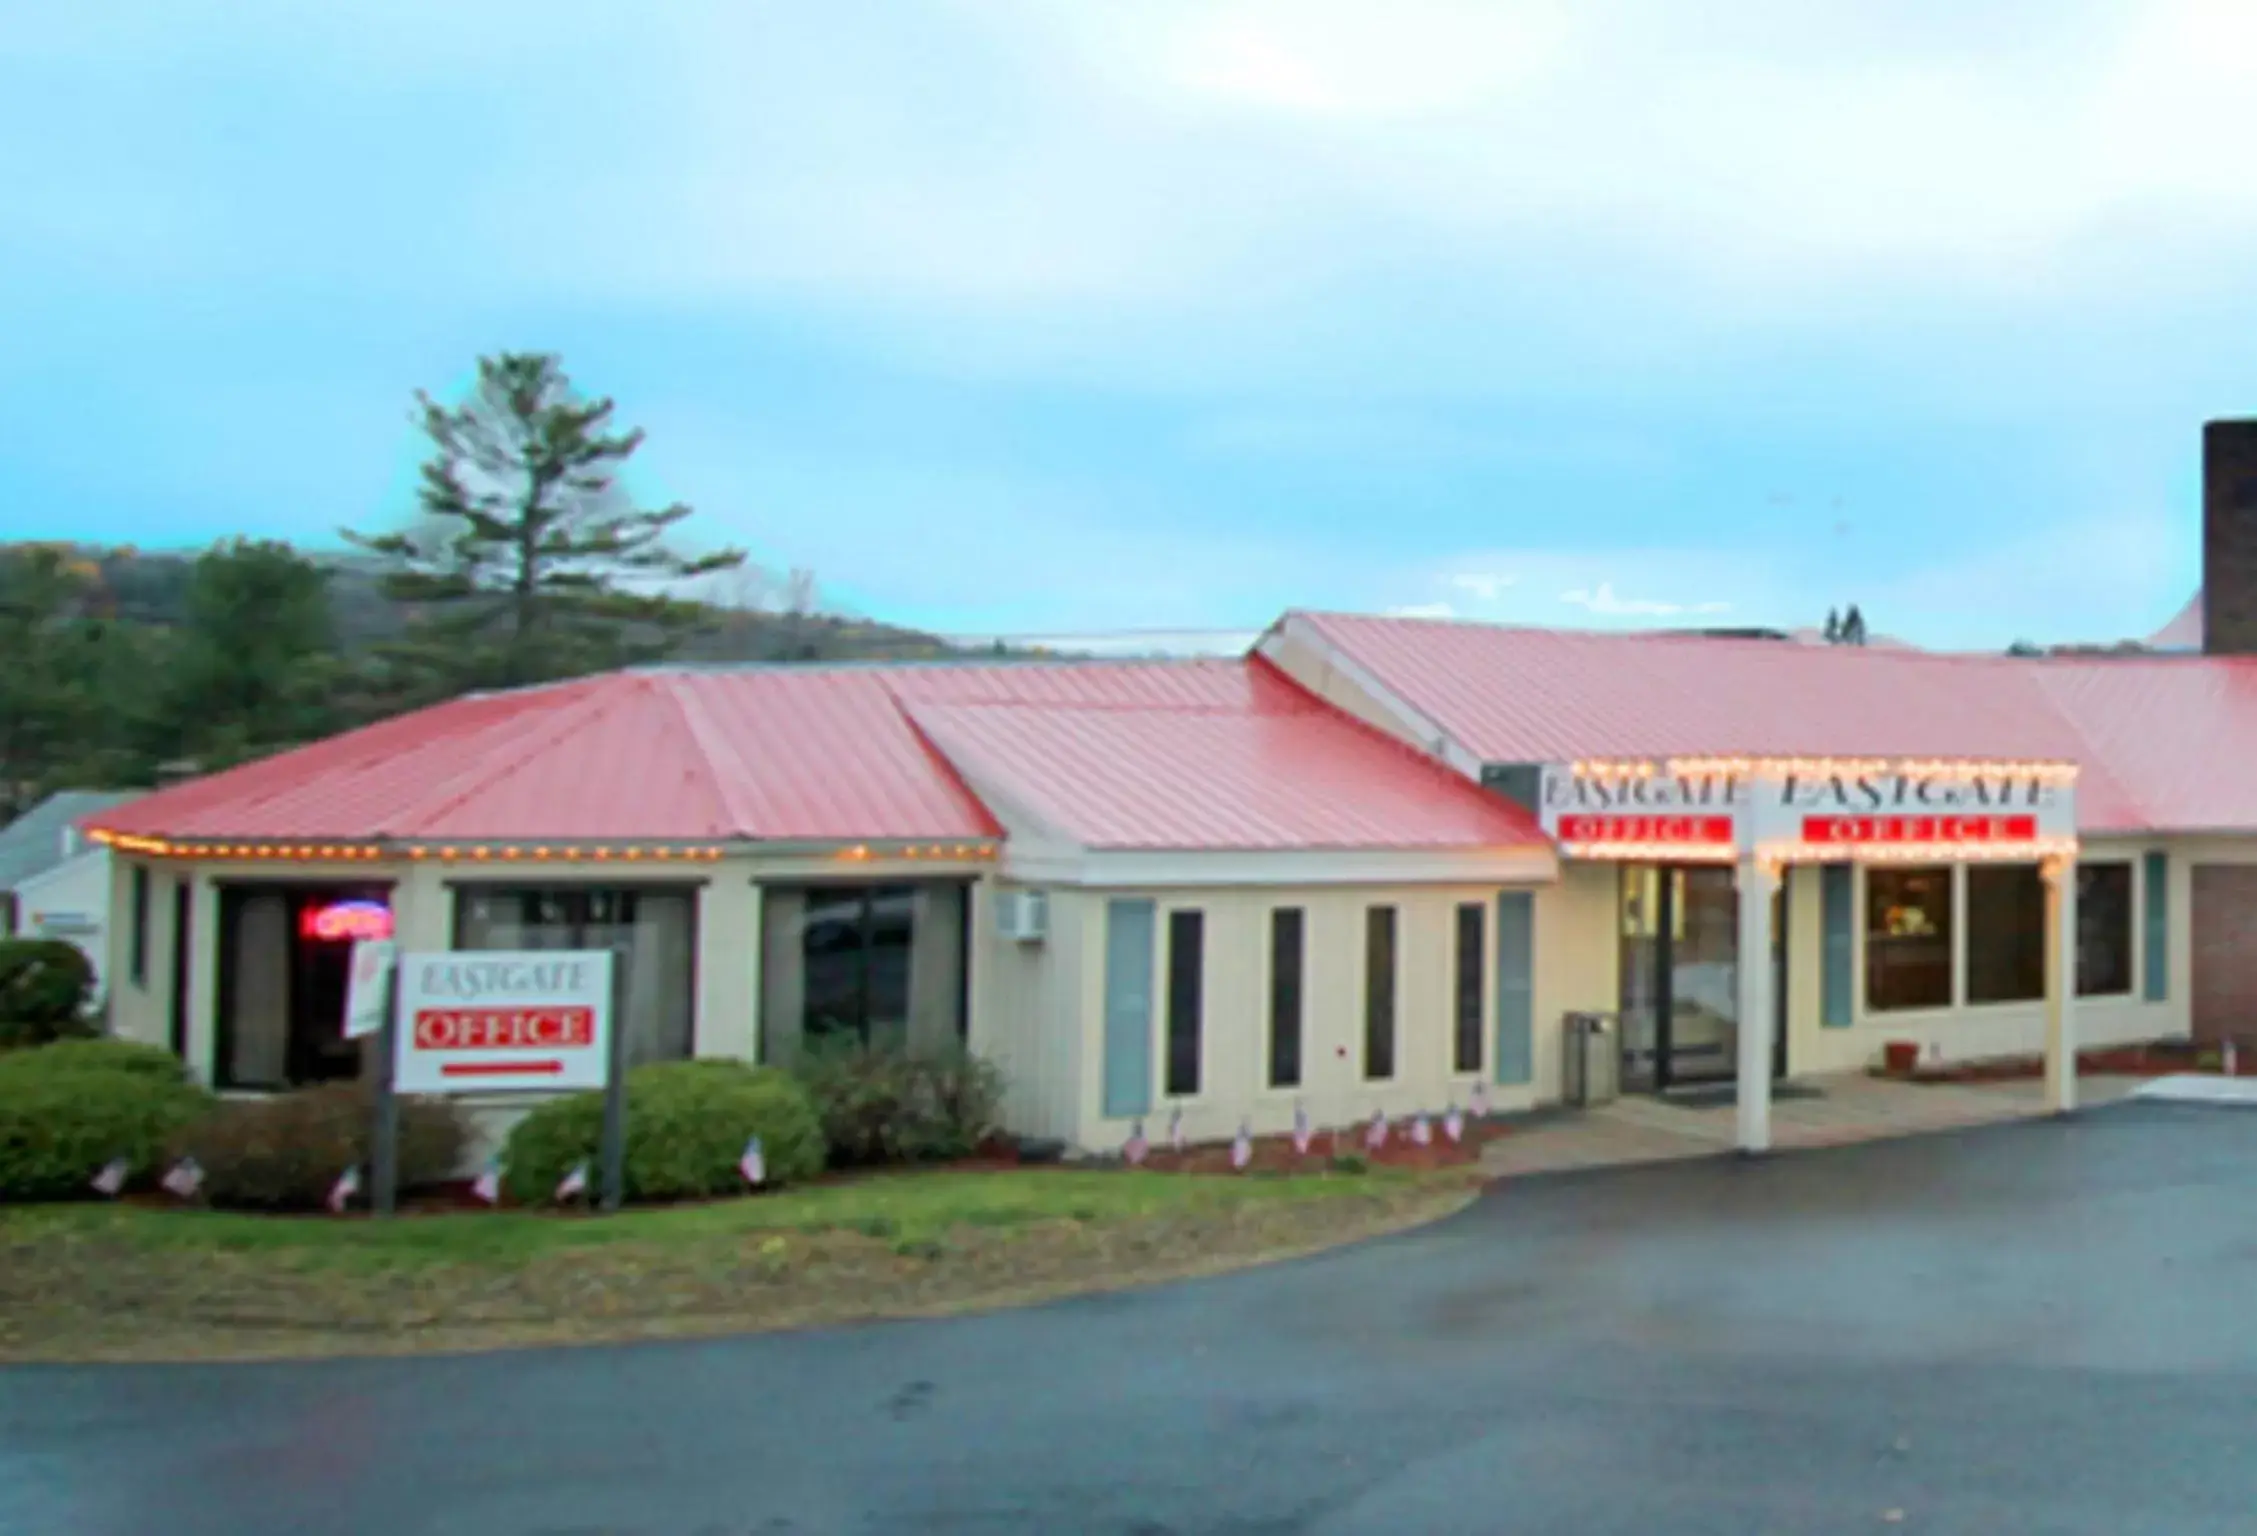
{"points": [[1853, 626], [531, 560], [1833, 626]]}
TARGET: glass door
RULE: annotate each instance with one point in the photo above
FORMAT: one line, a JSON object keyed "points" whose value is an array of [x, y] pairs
{"points": [[1680, 976]]}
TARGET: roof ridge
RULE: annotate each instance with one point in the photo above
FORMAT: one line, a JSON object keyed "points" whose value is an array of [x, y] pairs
{"points": [[705, 738], [461, 786]]}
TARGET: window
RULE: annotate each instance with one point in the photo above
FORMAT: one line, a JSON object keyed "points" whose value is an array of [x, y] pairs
{"points": [[2104, 930], [1187, 934], [654, 928], [139, 966], [279, 1004], [1472, 937], [880, 965], [1379, 993], [1907, 938], [1285, 996], [2005, 933]]}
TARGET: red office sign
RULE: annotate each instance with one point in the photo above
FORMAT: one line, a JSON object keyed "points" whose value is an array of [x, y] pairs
{"points": [[1941, 831], [479, 1021], [1675, 830]]}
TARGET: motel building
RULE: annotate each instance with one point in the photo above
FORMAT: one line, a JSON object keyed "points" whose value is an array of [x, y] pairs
{"points": [[1365, 867]]}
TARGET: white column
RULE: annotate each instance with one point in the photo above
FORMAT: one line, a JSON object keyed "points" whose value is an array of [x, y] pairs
{"points": [[2061, 985], [1755, 880]]}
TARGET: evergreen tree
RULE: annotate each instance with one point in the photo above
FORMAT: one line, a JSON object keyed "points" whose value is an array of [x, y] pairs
{"points": [[1833, 626], [532, 561], [255, 665], [1853, 626]]}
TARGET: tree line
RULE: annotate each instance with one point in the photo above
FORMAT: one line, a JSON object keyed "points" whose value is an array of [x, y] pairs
{"points": [[526, 560]]}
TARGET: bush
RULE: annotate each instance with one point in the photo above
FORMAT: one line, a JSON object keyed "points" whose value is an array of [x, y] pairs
{"points": [[687, 1124], [284, 1153], [45, 985], [59, 1128], [98, 1055], [884, 1104]]}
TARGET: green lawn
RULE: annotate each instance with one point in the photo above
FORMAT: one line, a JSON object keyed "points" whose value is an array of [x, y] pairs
{"points": [[902, 1208]]}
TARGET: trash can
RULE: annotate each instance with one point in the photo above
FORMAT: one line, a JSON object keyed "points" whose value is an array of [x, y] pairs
{"points": [[1590, 1061]]}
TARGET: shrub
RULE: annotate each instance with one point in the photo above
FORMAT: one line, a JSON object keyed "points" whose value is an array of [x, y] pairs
{"points": [[687, 1124], [104, 1054], [884, 1104], [284, 1153], [59, 1128], [45, 985]]}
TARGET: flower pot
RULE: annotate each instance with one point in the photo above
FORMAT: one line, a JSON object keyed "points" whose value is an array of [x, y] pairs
{"points": [[1901, 1056]]}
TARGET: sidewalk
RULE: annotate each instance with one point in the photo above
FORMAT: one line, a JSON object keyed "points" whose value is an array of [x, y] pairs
{"points": [[1846, 1108]]}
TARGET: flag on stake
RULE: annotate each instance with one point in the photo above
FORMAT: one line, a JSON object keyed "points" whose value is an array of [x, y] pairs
{"points": [[1242, 1150], [488, 1185], [1421, 1133], [186, 1177], [1453, 1124], [341, 1193], [1300, 1129], [111, 1180], [1175, 1129], [1480, 1105], [753, 1165], [1376, 1137], [1135, 1148], [574, 1184]]}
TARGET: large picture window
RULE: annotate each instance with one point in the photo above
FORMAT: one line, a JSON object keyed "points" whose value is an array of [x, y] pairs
{"points": [[1379, 993], [879, 965], [2005, 933], [655, 928], [1286, 928], [1187, 967], [1907, 939], [2104, 930], [1472, 953]]}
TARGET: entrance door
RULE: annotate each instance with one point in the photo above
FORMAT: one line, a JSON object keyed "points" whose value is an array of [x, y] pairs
{"points": [[1680, 927]]}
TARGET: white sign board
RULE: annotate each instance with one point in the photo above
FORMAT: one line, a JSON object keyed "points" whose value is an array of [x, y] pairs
{"points": [[365, 995], [1880, 810], [486, 1021]]}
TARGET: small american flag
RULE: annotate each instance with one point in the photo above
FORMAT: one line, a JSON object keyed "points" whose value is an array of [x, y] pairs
{"points": [[1175, 1129], [186, 1177], [1422, 1134], [1136, 1146], [1376, 1136], [111, 1180], [488, 1185], [1242, 1150], [1300, 1130], [341, 1193], [1453, 1124], [574, 1184], [1480, 1105], [754, 1164]]}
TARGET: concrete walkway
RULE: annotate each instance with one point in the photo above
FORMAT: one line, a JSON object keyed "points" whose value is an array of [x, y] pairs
{"points": [[1850, 1107]]}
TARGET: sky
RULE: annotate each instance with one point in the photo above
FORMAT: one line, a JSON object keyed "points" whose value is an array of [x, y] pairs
{"points": [[1020, 317]]}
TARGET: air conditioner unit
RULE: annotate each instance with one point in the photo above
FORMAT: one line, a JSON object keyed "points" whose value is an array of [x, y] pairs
{"points": [[1023, 916]]}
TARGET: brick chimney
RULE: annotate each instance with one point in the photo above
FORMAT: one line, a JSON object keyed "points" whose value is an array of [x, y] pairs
{"points": [[2229, 538]]}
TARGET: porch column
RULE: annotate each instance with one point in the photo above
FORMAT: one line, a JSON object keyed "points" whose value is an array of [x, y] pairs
{"points": [[2061, 985], [1756, 881]]}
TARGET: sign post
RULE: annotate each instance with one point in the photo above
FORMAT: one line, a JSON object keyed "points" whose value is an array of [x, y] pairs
{"points": [[371, 996], [615, 1092]]}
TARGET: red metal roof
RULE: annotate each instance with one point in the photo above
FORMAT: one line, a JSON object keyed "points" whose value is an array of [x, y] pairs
{"points": [[829, 754]]}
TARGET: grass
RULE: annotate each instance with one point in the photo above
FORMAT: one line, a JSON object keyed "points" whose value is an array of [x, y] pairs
{"points": [[914, 1213]]}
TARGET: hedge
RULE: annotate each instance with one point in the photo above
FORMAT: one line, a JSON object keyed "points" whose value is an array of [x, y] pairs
{"points": [[284, 1153], [888, 1104], [45, 985], [59, 1128], [687, 1125], [103, 1054]]}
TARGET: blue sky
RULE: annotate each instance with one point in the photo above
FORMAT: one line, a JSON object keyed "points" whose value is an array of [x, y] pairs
{"points": [[1015, 316]]}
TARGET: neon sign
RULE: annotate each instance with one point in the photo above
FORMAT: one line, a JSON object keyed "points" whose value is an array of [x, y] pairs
{"points": [[337, 920]]}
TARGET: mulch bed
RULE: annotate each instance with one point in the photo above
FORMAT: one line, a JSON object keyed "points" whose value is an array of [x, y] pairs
{"points": [[1275, 1154]]}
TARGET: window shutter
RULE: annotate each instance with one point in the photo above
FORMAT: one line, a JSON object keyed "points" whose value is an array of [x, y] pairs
{"points": [[1128, 1008], [1516, 986], [2155, 881], [1838, 971]]}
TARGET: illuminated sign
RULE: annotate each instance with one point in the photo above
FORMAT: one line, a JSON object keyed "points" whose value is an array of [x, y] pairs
{"points": [[1919, 829], [339, 920], [1646, 829]]}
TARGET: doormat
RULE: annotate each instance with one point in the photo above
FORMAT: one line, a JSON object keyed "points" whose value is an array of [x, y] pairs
{"points": [[1719, 1095]]}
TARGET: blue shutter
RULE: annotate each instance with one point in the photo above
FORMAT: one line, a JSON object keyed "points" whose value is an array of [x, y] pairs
{"points": [[1129, 927], [2156, 881], [1516, 987], [1838, 970]]}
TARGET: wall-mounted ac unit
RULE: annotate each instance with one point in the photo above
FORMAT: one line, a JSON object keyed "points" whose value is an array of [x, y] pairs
{"points": [[1023, 916]]}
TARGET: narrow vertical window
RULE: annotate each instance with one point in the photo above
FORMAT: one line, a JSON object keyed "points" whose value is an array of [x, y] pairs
{"points": [[140, 936], [1472, 956], [1187, 934], [1379, 992], [1285, 997]]}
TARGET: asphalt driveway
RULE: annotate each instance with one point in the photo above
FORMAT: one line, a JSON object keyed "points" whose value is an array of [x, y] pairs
{"points": [[2031, 1327]]}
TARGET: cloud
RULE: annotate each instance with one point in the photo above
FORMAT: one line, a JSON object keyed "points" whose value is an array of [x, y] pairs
{"points": [[1485, 585], [1423, 611], [1602, 601]]}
